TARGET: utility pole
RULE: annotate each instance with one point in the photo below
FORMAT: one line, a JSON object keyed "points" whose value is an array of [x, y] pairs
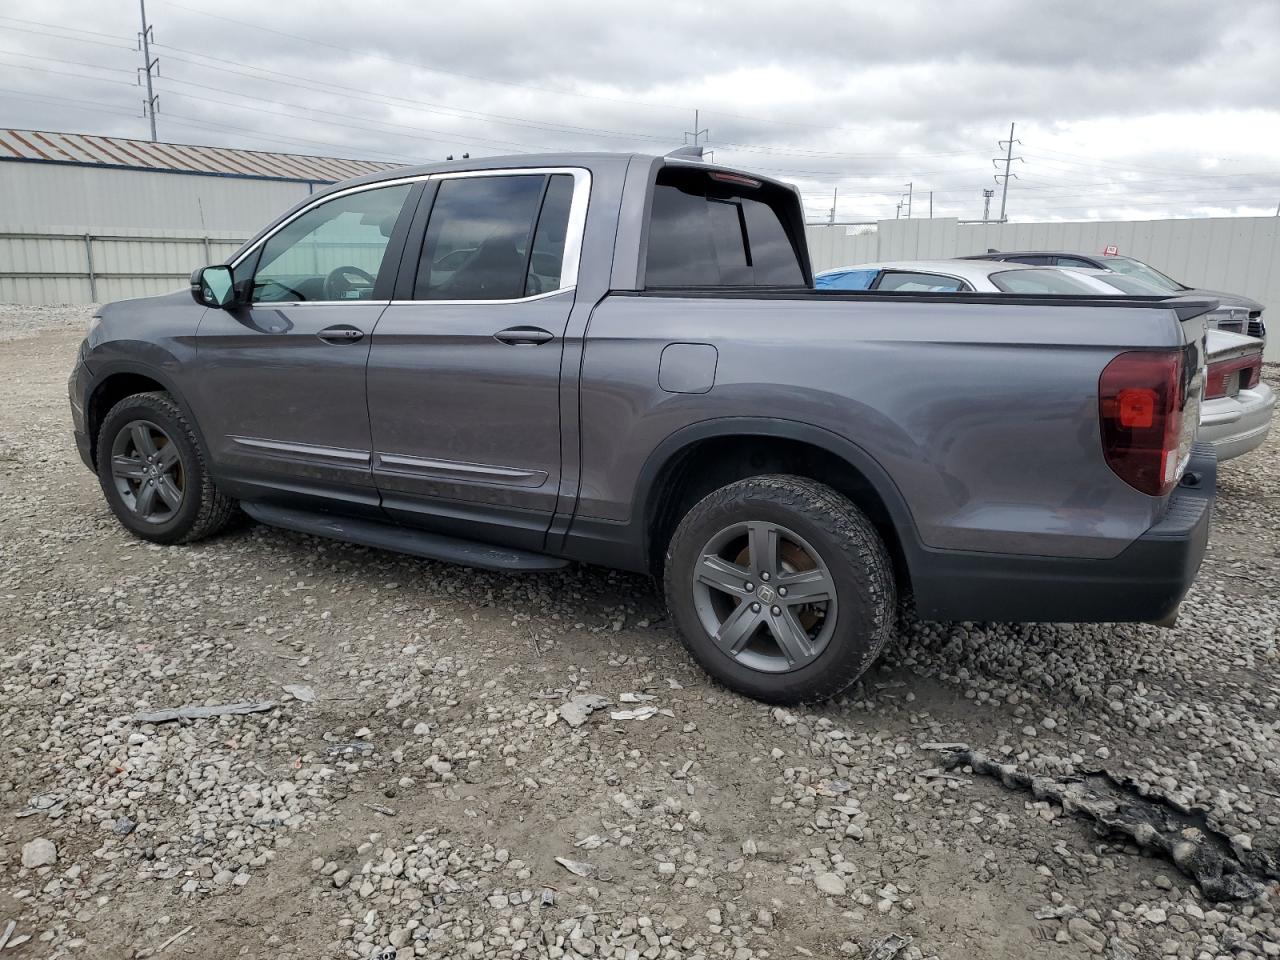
{"points": [[986, 204], [835, 192], [907, 200], [930, 204], [144, 42], [696, 133], [1007, 159]]}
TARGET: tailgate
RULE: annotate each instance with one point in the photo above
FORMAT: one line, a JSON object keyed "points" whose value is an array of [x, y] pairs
{"points": [[1191, 314]]}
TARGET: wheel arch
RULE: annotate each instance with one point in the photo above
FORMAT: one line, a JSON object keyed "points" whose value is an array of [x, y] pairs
{"points": [[706, 455], [120, 379]]}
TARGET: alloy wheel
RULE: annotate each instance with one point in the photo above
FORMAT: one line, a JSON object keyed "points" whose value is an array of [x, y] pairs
{"points": [[765, 596], [147, 471]]}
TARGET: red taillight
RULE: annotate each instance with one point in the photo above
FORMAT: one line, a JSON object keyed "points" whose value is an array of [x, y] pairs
{"points": [[1221, 380], [1141, 397]]}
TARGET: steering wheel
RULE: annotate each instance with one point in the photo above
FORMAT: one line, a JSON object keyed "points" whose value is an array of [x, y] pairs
{"points": [[343, 281]]}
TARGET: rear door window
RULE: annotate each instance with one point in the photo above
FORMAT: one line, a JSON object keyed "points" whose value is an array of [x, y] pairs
{"points": [[495, 237], [706, 232], [920, 282]]}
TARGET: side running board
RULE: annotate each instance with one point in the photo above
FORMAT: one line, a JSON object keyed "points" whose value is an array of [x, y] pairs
{"points": [[386, 536]]}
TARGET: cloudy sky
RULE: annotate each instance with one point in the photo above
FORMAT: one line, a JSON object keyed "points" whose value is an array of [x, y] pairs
{"points": [[1135, 109]]}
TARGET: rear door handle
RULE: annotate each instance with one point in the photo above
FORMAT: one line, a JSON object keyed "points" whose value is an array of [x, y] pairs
{"points": [[527, 336], [341, 333]]}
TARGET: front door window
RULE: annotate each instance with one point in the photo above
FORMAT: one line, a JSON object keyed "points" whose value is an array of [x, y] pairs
{"points": [[332, 252]]}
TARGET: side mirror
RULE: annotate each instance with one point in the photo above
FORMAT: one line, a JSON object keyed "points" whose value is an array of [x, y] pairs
{"points": [[216, 287]]}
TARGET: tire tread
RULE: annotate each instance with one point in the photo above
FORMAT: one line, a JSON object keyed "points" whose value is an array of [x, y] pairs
{"points": [[851, 533], [216, 509]]}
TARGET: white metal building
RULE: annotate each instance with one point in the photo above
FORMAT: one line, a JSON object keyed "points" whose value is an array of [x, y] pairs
{"points": [[86, 218]]}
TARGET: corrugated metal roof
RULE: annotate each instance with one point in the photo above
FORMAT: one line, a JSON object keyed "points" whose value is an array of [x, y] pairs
{"points": [[85, 149]]}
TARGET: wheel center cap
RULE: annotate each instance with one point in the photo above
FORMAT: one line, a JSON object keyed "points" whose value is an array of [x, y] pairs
{"points": [[766, 593]]}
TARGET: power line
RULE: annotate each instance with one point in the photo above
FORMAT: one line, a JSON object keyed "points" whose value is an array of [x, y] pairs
{"points": [[58, 26], [97, 106], [73, 63]]}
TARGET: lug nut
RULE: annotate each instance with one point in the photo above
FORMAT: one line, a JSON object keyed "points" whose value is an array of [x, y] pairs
{"points": [[776, 611], [764, 576], [755, 608], [749, 586], [782, 591]]}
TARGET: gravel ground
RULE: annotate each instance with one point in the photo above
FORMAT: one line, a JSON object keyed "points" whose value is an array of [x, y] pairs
{"points": [[416, 790]]}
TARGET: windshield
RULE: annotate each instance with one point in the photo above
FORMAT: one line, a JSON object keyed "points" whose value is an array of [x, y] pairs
{"points": [[1045, 281], [1136, 268]]}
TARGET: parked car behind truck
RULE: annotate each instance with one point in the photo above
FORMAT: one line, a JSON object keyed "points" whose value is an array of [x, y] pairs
{"points": [[1236, 415], [668, 394], [1235, 314]]}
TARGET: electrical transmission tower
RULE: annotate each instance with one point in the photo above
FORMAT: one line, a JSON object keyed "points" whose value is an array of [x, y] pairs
{"points": [[699, 132], [1007, 160], [145, 39]]}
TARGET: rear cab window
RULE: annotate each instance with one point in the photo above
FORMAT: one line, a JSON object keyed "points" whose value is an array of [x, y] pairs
{"points": [[709, 228]]}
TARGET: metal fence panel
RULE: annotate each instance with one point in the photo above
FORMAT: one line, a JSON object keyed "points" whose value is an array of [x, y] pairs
{"points": [[40, 266]]}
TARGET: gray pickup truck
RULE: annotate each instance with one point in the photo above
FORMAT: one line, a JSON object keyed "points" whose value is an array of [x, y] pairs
{"points": [[514, 363]]}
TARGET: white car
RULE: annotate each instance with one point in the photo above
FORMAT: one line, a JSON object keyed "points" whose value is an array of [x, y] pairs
{"points": [[1236, 413]]}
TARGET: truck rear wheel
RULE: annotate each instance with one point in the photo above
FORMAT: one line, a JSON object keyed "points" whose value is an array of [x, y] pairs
{"points": [[780, 588]]}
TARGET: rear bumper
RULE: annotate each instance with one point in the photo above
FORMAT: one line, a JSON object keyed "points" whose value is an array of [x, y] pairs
{"points": [[1236, 425], [1144, 582]]}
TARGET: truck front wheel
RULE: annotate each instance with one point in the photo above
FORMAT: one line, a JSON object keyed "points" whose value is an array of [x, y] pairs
{"points": [[780, 588]]}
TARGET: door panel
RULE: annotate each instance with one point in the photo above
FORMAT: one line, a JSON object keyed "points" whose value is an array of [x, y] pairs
{"points": [[275, 401], [279, 384], [464, 379], [463, 422]]}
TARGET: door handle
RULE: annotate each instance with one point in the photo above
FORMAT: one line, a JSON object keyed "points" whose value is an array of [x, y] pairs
{"points": [[526, 336], [341, 333]]}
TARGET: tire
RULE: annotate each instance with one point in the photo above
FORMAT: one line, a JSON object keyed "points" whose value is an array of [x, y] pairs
{"points": [[821, 545], [135, 476]]}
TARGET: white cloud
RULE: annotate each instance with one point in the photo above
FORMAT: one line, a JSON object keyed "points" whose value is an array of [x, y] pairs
{"points": [[1123, 109]]}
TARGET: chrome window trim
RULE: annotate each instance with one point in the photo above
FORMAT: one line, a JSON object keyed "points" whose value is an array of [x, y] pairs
{"points": [[320, 303], [445, 303], [574, 233]]}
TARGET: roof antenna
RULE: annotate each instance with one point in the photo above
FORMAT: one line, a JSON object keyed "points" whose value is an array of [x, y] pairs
{"points": [[692, 151]]}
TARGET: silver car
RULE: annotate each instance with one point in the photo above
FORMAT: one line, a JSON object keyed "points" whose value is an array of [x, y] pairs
{"points": [[1236, 414]]}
